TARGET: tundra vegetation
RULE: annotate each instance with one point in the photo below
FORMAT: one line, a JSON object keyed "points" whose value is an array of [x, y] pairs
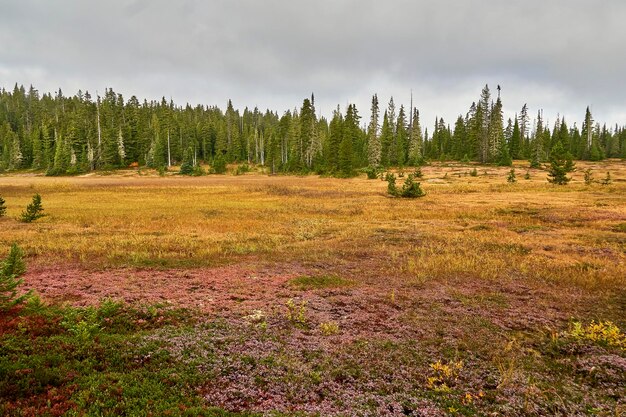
{"points": [[251, 294]]}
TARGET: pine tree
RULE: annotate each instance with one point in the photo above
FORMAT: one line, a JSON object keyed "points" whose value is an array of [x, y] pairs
{"points": [[560, 165]]}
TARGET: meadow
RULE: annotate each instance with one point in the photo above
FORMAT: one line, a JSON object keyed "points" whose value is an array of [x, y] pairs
{"points": [[233, 295]]}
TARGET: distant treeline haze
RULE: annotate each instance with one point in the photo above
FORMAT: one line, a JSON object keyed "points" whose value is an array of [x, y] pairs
{"points": [[66, 135]]}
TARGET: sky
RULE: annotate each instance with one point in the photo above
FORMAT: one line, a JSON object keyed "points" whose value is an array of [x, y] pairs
{"points": [[556, 55]]}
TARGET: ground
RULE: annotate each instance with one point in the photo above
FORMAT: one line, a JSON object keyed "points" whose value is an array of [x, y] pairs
{"points": [[284, 295]]}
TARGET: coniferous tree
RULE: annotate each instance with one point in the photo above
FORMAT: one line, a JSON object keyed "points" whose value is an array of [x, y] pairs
{"points": [[560, 165], [11, 269], [373, 137], [3, 207], [416, 140], [34, 210]]}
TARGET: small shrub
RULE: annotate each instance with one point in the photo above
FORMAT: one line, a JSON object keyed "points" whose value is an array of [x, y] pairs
{"points": [[313, 282], [33, 211], [418, 173], [444, 376], [607, 179], [10, 270], [511, 177], [3, 207], [371, 172], [588, 175], [604, 333], [296, 313], [473, 173], [242, 169], [527, 175], [329, 328]]}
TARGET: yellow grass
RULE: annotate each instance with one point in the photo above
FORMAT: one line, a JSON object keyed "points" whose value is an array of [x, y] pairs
{"points": [[465, 226]]}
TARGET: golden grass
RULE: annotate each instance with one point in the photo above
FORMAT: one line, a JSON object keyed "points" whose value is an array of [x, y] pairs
{"points": [[477, 226]]}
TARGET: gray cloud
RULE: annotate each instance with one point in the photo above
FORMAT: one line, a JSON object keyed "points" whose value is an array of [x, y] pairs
{"points": [[560, 55]]}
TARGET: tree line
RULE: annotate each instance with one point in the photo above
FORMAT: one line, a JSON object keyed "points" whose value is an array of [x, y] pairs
{"points": [[64, 135]]}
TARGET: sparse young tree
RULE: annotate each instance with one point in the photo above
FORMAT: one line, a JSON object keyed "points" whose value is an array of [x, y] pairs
{"points": [[511, 177], [34, 210], [3, 207], [10, 271]]}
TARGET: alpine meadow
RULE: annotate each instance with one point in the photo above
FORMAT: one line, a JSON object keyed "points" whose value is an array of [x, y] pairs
{"points": [[442, 244]]}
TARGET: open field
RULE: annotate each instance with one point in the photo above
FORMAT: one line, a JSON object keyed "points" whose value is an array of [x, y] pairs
{"points": [[317, 296]]}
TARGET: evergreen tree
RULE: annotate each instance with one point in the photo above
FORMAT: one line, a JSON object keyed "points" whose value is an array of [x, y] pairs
{"points": [[511, 177], [497, 146], [10, 270], [186, 168], [386, 137], [33, 211], [373, 137], [560, 165], [515, 144], [415, 140], [3, 207], [402, 141]]}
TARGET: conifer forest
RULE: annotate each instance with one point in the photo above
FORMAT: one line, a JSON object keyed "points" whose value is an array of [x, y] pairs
{"points": [[64, 135]]}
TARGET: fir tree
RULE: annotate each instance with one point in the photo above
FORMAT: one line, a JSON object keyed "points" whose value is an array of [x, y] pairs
{"points": [[10, 271], [392, 189], [34, 210], [411, 188], [373, 137], [416, 140], [219, 164], [186, 168], [588, 176], [511, 177], [560, 165]]}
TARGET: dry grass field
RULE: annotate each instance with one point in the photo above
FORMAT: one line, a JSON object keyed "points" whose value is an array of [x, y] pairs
{"points": [[284, 295]]}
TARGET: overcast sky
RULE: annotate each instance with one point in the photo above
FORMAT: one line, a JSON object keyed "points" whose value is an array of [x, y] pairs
{"points": [[558, 55]]}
